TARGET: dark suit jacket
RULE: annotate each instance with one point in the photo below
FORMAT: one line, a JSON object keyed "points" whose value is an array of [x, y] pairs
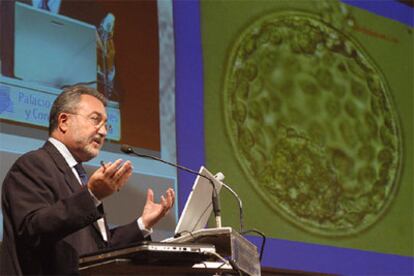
{"points": [[49, 218]]}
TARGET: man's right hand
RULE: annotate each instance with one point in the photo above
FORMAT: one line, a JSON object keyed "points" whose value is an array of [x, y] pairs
{"points": [[109, 178]]}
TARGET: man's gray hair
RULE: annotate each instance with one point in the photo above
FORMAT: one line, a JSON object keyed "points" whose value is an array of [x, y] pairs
{"points": [[68, 101]]}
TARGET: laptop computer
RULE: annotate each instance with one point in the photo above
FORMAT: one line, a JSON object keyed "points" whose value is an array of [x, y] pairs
{"points": [[51, 49], [198, 207]]}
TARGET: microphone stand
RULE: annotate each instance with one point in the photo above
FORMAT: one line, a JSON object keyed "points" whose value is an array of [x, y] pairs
{"points": [[220, 177]]}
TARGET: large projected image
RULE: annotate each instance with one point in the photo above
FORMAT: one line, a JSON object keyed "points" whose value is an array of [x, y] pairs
{"points": [[334, 172], [102, 44], [313, 120]]}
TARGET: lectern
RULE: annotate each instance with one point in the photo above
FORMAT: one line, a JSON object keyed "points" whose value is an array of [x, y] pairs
{"points": [[178, 257], [230, 244]]}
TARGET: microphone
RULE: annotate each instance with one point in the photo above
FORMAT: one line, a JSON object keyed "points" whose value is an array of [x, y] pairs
{"points": [[220, 177], [215, 200]]}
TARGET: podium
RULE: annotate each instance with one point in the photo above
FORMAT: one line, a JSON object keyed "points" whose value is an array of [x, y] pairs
{"points": [[199, 253], [230, 244]]}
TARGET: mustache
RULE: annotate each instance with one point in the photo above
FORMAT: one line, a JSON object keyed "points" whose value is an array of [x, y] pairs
{"points": [[99, 139]]}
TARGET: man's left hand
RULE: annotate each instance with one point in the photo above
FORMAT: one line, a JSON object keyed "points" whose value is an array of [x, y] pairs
{"points": [[153, 212]]}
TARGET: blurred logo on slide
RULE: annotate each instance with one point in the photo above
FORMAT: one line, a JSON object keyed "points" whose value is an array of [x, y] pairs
{"points": [[6, 103]]}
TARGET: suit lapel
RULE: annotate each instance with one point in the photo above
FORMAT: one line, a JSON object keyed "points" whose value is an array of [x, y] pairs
{"points": [[63, 166]]}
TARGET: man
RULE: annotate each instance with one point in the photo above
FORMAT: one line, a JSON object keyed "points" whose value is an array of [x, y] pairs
{"points": [[52, 212]]}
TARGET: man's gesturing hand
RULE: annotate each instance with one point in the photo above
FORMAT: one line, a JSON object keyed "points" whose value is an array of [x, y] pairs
{"points": [[153, 212], [109, 178]]}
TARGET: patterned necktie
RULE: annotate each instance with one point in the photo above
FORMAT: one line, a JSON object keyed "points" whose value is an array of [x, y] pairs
{"points": [[82, 173]]}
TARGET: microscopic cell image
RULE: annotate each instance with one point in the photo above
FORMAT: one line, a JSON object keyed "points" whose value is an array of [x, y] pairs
{"points": [[312, 123]]}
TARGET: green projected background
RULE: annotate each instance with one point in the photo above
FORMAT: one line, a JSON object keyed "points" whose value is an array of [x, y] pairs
{"points": [[308, 114]]}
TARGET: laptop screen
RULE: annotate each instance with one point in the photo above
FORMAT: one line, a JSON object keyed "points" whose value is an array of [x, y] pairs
{"points": [[198, 207]]}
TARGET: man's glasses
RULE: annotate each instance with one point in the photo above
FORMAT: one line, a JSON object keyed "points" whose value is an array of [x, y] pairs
{"points": [[96, 120]]}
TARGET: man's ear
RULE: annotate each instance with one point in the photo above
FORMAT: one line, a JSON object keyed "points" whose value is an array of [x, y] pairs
{"points": [[63, 121]]}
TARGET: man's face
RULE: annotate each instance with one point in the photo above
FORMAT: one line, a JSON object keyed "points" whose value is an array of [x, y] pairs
{"points": [[86, 129]]}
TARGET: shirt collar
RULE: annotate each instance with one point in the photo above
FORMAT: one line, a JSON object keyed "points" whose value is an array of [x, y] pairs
{"points": [[64, 151]]}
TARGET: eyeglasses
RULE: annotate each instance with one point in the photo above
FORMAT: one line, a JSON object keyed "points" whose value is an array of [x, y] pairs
{"points": [[96, 120]]}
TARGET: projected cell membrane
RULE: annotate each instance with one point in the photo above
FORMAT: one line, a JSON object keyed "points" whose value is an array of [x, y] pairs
{"points": [[312, 123]]}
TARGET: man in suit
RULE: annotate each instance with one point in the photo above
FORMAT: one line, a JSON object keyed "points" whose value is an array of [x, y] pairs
{"points": [[52, 212]]}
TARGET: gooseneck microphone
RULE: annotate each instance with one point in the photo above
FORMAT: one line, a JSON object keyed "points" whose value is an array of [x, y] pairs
{"points": [[215, 200]]}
